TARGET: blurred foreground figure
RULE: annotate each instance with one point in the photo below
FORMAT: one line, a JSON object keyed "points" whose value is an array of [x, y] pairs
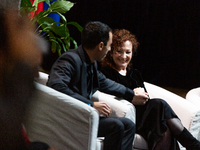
{"points": [[20, 56]]}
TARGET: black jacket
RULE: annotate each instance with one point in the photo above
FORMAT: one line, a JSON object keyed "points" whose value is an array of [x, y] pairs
{"points": [[69, 75]]}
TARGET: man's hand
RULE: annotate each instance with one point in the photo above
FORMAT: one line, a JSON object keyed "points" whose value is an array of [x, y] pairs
{"points": [[103, 108], [140, 97]]}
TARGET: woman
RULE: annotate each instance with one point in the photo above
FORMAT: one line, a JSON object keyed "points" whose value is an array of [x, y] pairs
{"points": [[155, 120]]}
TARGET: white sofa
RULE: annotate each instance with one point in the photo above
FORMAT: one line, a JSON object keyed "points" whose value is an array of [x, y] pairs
{"points": [[194, 96], [68, 124]]}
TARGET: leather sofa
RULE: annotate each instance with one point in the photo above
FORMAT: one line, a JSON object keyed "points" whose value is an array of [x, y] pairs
{"points": [[68, 124]]}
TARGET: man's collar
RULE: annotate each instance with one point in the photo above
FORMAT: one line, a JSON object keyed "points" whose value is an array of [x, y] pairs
{"points": [[87, 58], [83, 54]]}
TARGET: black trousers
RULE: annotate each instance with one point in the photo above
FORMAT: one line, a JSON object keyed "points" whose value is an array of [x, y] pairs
{"points": [[118, 132]]}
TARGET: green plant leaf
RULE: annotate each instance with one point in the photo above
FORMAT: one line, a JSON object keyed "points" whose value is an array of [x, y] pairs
{"points": [[41, 15], [59, 43], [61, 6], [53, 45], [62, 44], [62, 17], [56, 32], [35, 4], [25, 3], [60, 30], [58, 48], [48, 24], [39, 1], [26, 6], [26, 9], [48, 2], [45, 22], [74, 42], [67, 43], [54, 42], [76, 25]]}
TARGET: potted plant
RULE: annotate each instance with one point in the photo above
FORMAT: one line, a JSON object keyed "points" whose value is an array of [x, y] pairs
{"points": [[57, 33]]}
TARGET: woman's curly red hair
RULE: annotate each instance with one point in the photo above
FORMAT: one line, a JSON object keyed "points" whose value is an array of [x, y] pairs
{"points": [[119, 37]]}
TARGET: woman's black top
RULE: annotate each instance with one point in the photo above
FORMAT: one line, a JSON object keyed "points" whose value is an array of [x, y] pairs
{"points": [[151, 117]]}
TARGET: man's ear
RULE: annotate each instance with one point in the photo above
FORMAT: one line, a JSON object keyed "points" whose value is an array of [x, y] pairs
{"points": [[101, 45]]}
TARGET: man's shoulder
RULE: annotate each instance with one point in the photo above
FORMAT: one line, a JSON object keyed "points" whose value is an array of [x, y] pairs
{"points": [[71, 55], [74, 53]]}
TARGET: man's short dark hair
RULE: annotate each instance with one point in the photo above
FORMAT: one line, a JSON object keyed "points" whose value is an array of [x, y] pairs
{"points": [[93, 33]]}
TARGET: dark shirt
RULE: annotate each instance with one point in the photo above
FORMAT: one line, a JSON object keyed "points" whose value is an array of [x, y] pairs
{"points": [[90, 75], [133, 78]]}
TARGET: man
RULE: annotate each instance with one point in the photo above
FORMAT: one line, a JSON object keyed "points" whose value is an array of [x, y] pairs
{"points": [[75, 73]]}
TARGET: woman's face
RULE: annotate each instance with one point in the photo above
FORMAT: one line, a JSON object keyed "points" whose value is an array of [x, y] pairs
{"points": [[122, 55]]}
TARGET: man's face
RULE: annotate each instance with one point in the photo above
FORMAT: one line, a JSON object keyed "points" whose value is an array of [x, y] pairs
{"points": [[106, 48]]}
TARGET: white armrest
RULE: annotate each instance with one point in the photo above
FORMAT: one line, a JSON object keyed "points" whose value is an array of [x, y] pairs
{"points": [[119, 107], [186, 111], [42, 79], [61, 121], [194, 96]]}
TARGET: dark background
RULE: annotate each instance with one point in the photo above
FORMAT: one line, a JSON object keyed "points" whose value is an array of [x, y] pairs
{"points": [[168, 32]]}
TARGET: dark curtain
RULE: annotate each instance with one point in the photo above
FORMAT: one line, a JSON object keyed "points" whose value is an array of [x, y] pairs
{"points": [[168, 32]]}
